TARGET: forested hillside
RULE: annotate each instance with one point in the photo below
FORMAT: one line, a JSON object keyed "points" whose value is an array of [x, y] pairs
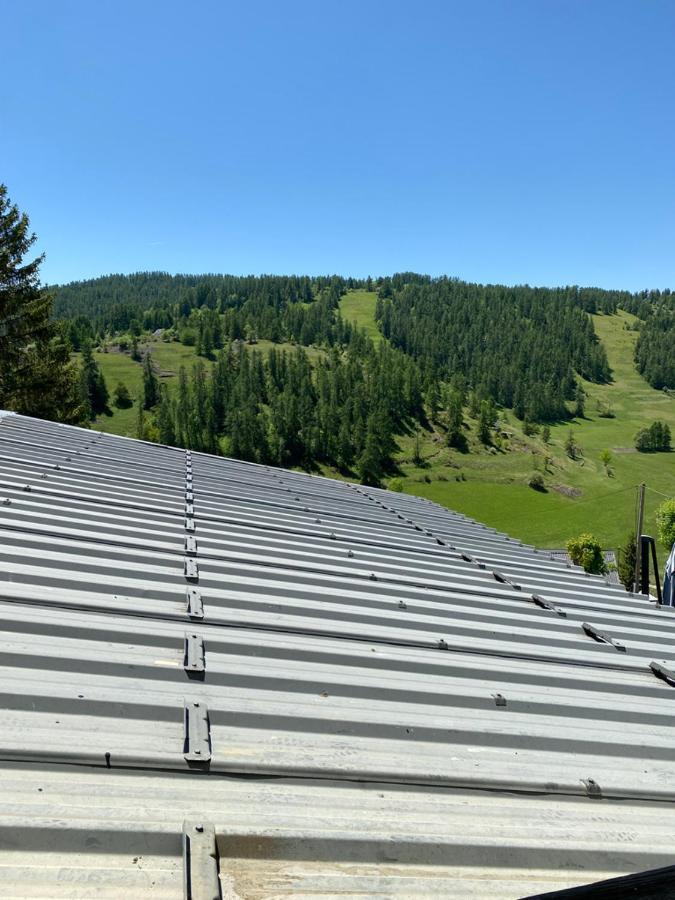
{"points": [[503, 402], [429, 352], [520, 347]]}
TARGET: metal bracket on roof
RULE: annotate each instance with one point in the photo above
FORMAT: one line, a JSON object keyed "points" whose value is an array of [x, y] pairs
{"points": [[190, 568], [195, 606], [593, 632], [467, 557], [504, 579], [544, 604], [662, 672], [200, 861], [188, 478], [193, 653], [189, 524], [190, 545], [189, 497], [197, 739], [189, 510]]}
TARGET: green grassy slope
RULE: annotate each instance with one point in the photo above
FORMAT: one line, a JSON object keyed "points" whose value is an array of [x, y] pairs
{"points": [[492, 486], [359, 307]]}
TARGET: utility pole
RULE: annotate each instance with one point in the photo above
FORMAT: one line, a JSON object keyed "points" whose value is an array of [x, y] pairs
{"points": [[638, 539]]}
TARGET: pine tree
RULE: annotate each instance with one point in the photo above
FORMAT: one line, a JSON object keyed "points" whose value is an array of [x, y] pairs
{"points": [[486, 421], [165, 418], [150, 383], [36, 376], [455, 436], [571, 445], [93, 383], [370, 461], [580, 405], [140, 423]]}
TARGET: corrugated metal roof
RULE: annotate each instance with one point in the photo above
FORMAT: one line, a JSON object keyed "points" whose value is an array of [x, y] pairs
{"points": [[352, 691]]}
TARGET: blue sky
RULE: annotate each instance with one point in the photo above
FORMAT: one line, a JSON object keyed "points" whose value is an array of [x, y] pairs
{"points": [[496, 141]]}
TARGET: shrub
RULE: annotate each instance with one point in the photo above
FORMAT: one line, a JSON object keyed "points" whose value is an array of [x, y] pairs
{"points": [[656, 437], [536, 481], [606, 459], [396, 484], [605, 411], [121, 397], [585, 551], [665, 522]]}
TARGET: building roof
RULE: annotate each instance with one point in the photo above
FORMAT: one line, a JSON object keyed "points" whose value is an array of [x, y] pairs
{"points": [[307, 686]]}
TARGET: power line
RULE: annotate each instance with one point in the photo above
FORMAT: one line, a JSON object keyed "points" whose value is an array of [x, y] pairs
{"points": [[654, 491], [546, 512]]}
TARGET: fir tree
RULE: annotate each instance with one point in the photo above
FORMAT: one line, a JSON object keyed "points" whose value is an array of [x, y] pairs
{"points": [[370, 460], [93, 383], [571, 445], [150, 383], [140, 423], [165, 418], [455, 436], [36, 376], [580, 404], [486, 421]]}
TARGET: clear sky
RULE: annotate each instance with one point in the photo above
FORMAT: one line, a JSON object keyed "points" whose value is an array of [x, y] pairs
{"points": [[495, 140]]}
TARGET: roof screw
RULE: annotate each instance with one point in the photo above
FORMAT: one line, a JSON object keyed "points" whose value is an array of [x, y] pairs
{"points": [[350, 554], [198, 752], [442, 645], [402, 605], [199, 828]]}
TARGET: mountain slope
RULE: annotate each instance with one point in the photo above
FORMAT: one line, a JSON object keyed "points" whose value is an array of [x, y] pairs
{"points": [[580, 496]]}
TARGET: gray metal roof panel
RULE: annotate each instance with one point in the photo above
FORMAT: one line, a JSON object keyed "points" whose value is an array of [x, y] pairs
{"points": [[390, 642]]}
